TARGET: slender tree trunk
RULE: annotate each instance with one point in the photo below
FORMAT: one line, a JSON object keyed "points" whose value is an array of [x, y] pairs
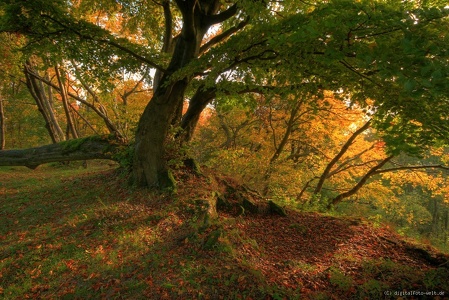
{"points": [[339, 155], [361, 183], [435, 216], [280, 148], [44, 106], [446, 226], [2, 126], [229, 136], [86, 122], [65, 102], [100, 111]]}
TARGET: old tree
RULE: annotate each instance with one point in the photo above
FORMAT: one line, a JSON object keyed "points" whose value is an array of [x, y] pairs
{"points": [[390, 57]]}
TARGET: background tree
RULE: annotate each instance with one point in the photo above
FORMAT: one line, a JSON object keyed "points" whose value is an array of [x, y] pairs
{"points": [[2, 126], [21, 123], [44, 100]]}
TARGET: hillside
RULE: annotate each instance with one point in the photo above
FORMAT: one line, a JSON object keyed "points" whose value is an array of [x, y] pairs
{"points": [[74, 233]]}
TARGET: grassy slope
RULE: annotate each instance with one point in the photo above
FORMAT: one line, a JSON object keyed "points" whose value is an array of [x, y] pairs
{"points": [[70, 233]]}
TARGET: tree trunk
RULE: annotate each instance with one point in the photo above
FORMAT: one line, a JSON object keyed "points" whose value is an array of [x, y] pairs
{"points": [[43, 102], [65, 102], [2, 126], [435, 216], [361, 183], [280, 148], [337, 157], [150, 161], [150, 167], [446, 227]]}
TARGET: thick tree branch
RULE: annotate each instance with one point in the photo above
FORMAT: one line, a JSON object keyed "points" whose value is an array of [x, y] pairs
{"points": [[197, 104], [337, 157], [377, 170], [168, 40], [361, 183], [110, 40], [347, 167], [222, 36], [412, 168], [221, 17], [95, 147], [182, 5], [343, 166]]}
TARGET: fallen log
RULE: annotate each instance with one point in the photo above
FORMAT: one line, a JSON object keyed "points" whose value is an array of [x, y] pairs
{"points": [[93, 147]]}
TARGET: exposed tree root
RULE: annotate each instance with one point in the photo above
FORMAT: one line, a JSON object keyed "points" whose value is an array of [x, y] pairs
{"points": [[435, 258], [241, 200]]}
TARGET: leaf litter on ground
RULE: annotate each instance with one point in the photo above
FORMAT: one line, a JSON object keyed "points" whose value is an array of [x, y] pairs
{"points": [[86, 234]]}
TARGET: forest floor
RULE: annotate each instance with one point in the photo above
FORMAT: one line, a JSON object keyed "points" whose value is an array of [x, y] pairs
{"points": [[73, 233]]}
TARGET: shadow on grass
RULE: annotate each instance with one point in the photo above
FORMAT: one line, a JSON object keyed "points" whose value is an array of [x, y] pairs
{"points": [[69, 233], [81, 234]]}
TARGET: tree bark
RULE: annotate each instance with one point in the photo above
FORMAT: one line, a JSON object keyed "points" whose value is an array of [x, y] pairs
{"points": [[361, 183], [197, 104], [65, 102], [337, 157], [2, 126], [150, 167], [100, 111], [44, 105], [95, 147]]}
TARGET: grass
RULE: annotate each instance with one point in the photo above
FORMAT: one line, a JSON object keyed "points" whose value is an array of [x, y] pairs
{"points": [[72, 233], [62, 235]]}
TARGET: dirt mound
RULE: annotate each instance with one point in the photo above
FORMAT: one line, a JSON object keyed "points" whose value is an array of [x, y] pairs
{"points": [[322, 255]]}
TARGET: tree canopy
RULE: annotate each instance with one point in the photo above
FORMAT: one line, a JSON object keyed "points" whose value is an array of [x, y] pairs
{"points": [[388, 57]]}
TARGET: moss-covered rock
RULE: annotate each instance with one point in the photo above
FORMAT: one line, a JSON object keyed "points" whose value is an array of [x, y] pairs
{"points": [[206, 210], [276, 209]]}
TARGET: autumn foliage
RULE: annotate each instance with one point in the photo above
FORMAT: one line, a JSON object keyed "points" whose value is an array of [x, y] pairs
{"points": [[287, 149]]}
